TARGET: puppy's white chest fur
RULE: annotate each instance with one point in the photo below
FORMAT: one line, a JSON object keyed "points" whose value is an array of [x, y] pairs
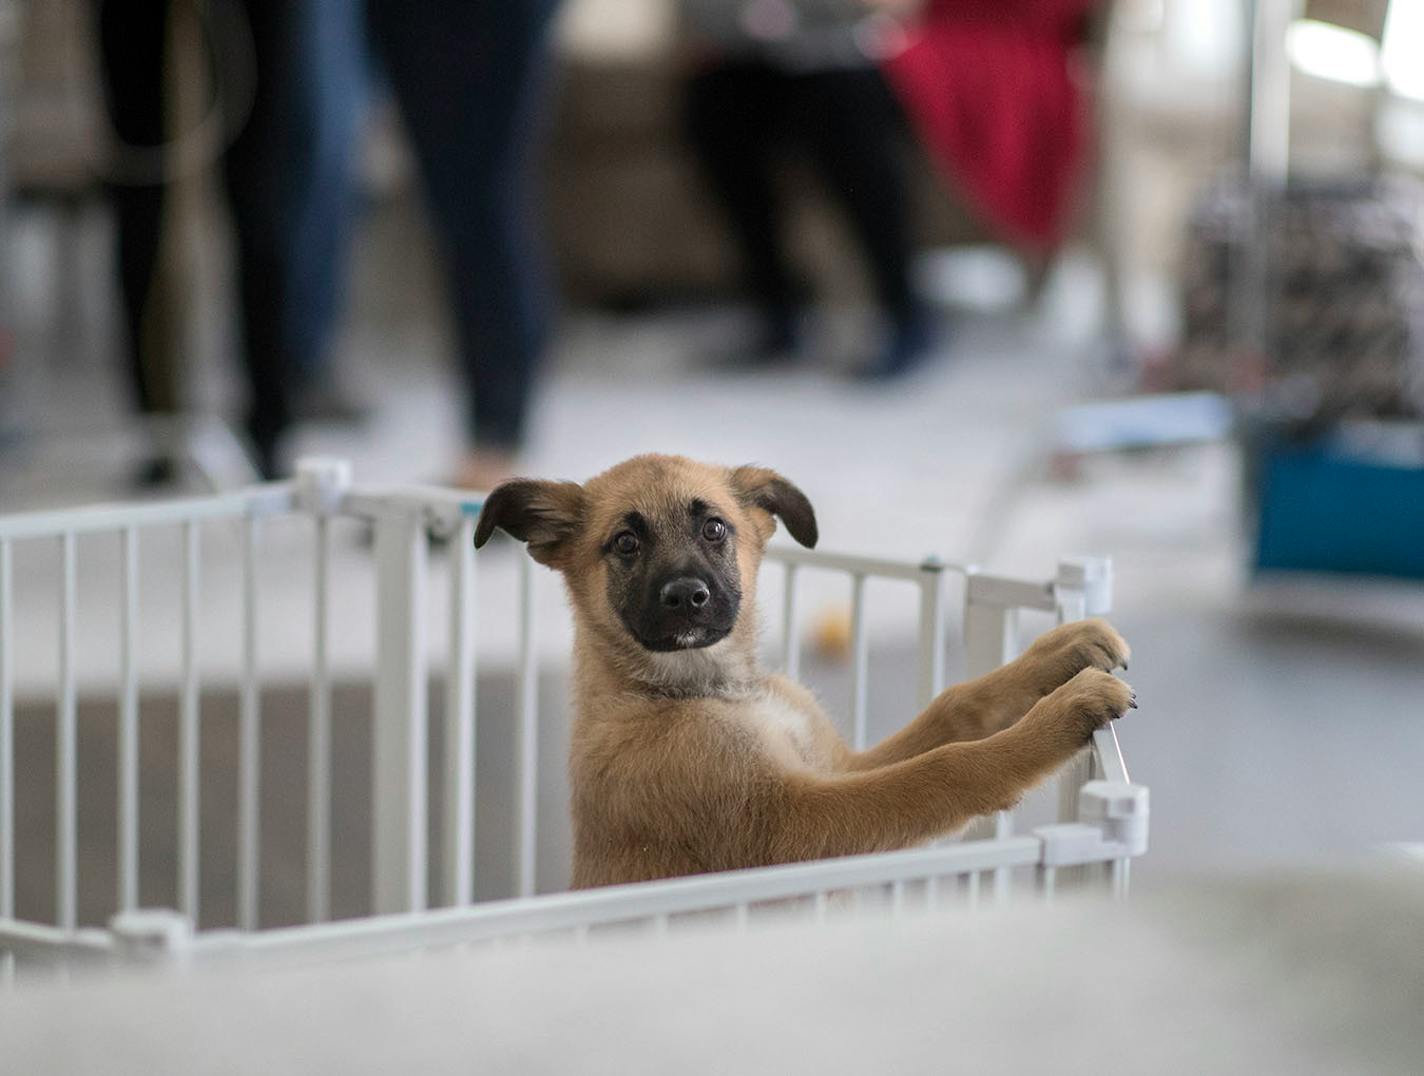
{"points": [[785, 728]]}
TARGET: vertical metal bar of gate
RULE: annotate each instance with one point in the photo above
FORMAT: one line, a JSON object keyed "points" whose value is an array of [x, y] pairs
{"points": [[319, 733], [990, 639], [859, 662], [1070, 602], [790, 628], [527, 736], [1083, 588], [398, 762], [458, 824], [66, 853], [127, 754], [931, 631], [249, 754], [320, 488], [188, 730]]}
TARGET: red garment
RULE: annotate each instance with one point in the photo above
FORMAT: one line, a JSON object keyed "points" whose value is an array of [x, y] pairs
{"points": [[989, 87]]}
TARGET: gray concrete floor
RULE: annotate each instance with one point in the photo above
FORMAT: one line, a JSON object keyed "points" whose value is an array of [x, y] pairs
{"points": [[1280, 722]]}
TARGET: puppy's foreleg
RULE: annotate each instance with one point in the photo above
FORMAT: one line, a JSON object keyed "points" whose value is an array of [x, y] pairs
{"points": [[940, 790], [994, 701]]}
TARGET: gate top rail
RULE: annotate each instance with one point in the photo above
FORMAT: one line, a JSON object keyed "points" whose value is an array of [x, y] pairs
{"points": [[856, 564], [269, 499]]}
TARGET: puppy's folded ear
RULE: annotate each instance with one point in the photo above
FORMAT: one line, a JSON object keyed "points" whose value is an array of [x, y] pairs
{"points": [[763, 488], [543, 514]]}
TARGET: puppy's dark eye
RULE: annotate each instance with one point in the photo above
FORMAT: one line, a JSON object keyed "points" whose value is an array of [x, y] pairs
{"points": [[625, 543], [714, 530]]}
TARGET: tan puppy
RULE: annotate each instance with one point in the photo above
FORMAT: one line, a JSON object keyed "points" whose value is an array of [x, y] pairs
{"points": [[687, 756]]}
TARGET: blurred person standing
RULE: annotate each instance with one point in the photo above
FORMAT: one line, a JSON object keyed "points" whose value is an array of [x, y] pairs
{"points": [[469, 78], [768, 74], [147, 63]]}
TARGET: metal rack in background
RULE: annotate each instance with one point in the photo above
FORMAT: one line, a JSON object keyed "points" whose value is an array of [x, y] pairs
{"points": [[1311, 460]]}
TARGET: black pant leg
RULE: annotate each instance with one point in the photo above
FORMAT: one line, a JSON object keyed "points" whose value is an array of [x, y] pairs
{"points": [[469, 76], [854, 129], [256, 169], [734, 115], [131, 40]]}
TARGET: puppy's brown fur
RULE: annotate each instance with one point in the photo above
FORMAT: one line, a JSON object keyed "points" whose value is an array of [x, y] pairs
{"points": [[695, 759]]}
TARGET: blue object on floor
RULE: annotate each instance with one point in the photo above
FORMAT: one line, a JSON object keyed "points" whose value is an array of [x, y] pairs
{"points": [[1163, 421], [1326, 508]]}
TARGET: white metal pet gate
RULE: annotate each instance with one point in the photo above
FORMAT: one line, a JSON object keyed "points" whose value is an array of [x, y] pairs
{"points": [[1102, 817]]}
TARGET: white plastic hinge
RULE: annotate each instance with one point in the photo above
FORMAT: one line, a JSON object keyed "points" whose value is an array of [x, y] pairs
{"points": [[1119, 810], [151, 933], [322, 482]]}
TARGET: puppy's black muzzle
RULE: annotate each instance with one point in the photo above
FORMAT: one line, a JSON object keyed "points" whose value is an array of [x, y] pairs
{"points": [[684, 612]]}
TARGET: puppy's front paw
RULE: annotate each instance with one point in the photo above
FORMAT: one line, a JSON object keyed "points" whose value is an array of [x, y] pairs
{"points": [[1083, 644], [1086, 703]]}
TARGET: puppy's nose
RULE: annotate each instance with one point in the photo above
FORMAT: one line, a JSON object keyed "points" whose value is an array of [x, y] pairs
{"points": [[684, 593]]}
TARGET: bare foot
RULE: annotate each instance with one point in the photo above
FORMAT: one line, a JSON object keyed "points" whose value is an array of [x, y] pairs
{"points": [[483, 468]]}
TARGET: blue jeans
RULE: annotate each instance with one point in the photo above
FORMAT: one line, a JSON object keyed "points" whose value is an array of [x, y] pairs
{"points": [[468, 77], [327, 94]]}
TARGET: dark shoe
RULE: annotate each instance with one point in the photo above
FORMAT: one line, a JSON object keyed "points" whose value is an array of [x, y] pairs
{"points": [[156, 472], [264, 450], [780, 337], [912, 339], [776, 342], [268, 461]]}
